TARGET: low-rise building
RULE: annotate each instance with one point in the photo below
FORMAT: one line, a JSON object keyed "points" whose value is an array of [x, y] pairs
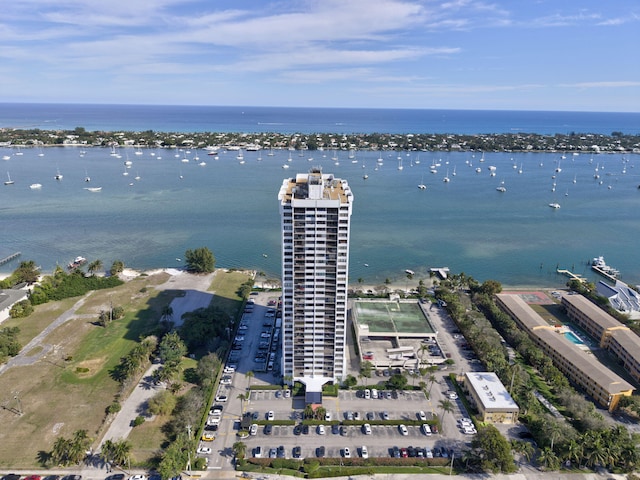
{"points": [[492, 400], [582, 368]]}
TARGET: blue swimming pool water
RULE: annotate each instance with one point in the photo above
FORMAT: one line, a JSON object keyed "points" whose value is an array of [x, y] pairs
{"points": [[573, 338]]}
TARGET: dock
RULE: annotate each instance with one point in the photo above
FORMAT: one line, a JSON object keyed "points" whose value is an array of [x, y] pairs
{"points": [[442, 272], [571, 275], [603, 273], [9, 258]]}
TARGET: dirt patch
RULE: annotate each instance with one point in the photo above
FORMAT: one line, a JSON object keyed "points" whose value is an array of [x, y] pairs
{"points": [[89, 368]]}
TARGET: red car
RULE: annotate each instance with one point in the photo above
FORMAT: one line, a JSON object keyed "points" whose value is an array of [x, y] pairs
{"points": [[404, 453]]}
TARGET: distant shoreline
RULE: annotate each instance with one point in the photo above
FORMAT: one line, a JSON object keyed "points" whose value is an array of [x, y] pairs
{"points": [[574, 143]]}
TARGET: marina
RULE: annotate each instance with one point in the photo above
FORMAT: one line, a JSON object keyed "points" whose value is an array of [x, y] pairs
{"points": [[513, 236]]}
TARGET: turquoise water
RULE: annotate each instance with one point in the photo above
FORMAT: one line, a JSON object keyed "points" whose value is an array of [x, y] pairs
{"points": [[465, 224], [573, 338]]}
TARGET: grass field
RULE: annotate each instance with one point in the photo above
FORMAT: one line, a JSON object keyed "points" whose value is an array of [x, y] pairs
{"points": [[55, 397]]}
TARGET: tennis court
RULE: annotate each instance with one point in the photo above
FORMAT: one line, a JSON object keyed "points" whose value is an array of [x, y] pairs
{"points": [[392, 316]]}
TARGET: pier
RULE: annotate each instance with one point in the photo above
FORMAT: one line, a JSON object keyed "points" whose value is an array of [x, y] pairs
{"points": [[606, 275], [571, 275], [11, 257]]}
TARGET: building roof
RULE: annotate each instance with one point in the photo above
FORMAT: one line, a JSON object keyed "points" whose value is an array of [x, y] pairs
{"points": [[522, 311], [594, 312], [629, 340], [490, 391], [9, 297], [315, 186], [589, 365]]}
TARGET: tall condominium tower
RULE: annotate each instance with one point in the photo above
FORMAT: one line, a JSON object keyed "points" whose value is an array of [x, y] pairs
{"points": [[315, 210]]}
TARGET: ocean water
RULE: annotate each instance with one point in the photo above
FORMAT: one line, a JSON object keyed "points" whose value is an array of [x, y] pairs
{"points": [[232, 208], [309, 120]]}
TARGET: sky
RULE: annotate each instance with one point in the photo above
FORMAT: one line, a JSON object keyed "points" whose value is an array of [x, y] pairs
{"points": [[567, 55]]}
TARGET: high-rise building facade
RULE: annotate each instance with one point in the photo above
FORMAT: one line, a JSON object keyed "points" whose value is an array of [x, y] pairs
{"points": [[315, 210]]}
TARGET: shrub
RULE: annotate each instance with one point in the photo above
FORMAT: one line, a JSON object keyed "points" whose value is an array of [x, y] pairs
{"points": [[139, 420]]}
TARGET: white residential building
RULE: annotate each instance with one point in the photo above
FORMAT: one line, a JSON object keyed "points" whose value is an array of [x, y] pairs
{"points": [[315, 210]]}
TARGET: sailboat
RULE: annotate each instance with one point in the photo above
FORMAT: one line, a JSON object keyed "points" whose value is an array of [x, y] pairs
{"points": [[422, 186], [501, 188], [446, 178], [400, 164], [9, 181], [58, 175], [87, 178], [454, 171]]}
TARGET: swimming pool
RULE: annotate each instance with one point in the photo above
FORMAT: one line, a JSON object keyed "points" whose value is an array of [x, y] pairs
{"points": [[572, 337]]}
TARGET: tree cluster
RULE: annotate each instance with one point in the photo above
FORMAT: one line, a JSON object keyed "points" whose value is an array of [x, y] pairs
{"points": [[9, 345], [136, 360], [200, 260], [27, 272], [63, 285], [21, 309], [70, 451]]}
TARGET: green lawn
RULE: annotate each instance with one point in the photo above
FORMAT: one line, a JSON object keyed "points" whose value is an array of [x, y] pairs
{"points": [[55, 397]]}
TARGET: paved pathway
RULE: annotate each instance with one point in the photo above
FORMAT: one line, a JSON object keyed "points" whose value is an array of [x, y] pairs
{"points": [[23, 358]]}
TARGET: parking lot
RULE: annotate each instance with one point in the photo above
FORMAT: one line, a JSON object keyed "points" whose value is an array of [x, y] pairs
{"points": [[256, 345]]}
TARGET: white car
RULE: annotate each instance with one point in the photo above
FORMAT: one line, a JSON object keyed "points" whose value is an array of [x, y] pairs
{"points": [[271, 415], [221, 398], [367, 394], [453, 396], [327, 416], [367, 429], [138, 477], [321, 430], [422, 416], [426, 429], [364, 452], [253, 430], [346, 452], [374, 393], [403, 429], [205, 450]]}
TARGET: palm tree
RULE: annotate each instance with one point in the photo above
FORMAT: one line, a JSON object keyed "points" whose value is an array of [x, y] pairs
{"points": [[167, 314], [242, 397], [447, 407], [94, 266], [308, 411], [249, 376], [239, 449], [122, 452], [60, 451]]}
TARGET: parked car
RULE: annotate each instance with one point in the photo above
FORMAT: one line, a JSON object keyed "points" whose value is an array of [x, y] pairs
{"points": [[270, 415], [346, 452], [296, 452], [253, 430], [320, 451], [364, 453], [257, 452], [320, 430], [366, 428], [273, 453], [422, 416], [268, 429], [403, 429]]}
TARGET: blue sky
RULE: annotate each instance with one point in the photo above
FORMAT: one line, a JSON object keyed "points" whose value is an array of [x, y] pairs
{"points": [[461, 54]]}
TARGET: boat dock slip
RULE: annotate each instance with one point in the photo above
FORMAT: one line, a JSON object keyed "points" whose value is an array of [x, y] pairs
{"points": [[606, 275], [442, 272], [571, 275], [13, 256]]}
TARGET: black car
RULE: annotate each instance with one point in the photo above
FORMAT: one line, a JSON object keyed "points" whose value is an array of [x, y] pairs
{"points": [[297, 430], [208, 428], [370, 416], [72, 477], [305, 429], [343, 431], [11, 476], [268, 429], [297, 452], [320, 451], [395, 452], [412, 452], [117, 476], [335, 429], [281, 451]]}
